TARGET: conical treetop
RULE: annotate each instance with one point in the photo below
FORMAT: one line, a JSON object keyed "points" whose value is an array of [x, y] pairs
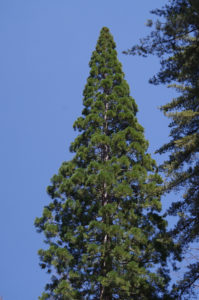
{"points": [[103, 228]]}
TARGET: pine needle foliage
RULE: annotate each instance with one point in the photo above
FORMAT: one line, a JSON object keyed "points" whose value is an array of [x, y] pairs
{"points": [[104, 234], [175, 39]]}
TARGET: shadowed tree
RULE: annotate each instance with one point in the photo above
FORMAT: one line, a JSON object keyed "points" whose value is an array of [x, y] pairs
{"points": [[106, 239], [175, 39]]}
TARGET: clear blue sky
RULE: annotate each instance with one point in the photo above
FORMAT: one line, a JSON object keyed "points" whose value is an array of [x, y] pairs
{"points": [[45, 49]]}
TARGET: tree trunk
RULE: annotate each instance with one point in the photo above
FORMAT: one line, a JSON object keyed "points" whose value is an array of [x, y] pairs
{"points": [[105, 293]]}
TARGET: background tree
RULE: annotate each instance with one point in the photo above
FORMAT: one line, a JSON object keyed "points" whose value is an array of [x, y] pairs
{"points": [[175, 40], [105, 237]]}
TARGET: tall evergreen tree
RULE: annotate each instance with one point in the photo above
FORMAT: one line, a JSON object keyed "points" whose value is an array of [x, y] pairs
{"points": [[105, 236], [175, 39]]}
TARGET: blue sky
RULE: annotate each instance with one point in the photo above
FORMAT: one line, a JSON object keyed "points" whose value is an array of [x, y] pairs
{"points": [[45, 49]]}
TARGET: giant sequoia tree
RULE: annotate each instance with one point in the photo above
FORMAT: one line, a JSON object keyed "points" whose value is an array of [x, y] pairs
{"points": [[104, 233], [175, 39]]}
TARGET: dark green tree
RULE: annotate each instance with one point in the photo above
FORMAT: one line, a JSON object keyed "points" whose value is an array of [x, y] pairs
{"points": [[175, 40], [105, 236]]}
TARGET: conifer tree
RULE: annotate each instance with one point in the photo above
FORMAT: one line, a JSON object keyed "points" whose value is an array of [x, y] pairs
{"points": [[105, 236], [175, 40]]}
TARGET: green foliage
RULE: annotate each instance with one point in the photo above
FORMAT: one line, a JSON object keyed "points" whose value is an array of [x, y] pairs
{"points": [[175, 39], [105, 237]]}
